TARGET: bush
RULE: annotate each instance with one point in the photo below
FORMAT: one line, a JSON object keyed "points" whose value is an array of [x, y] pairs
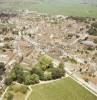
{"points": [[72, 60], [23, 89], [18, 88]]}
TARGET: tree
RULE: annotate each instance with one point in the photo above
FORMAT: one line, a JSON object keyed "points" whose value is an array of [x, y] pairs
{"points": [[31, 78], [57, 73], [8, 80], [94, 25], [38, 71], [47, 75], [2, 65], [27, 76], [35, 78], [95, 41], [9, 96], [92, 31], [44, 62], [50, 65], [28, 80], [19, 73], [61, 65], [2, 68]]}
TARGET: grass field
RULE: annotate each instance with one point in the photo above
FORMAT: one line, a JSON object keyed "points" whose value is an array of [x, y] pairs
{"points": [[64, 7], [65, 89], [16, 92]]}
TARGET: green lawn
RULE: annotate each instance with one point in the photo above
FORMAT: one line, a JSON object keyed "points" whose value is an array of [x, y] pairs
{"points": [[65, 89], [16, 92]]}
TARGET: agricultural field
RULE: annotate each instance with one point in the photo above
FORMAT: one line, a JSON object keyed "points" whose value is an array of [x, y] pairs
{"points": [[86, 8], [64, 89]]}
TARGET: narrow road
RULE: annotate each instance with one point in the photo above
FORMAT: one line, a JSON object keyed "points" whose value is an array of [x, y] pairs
{"points": [[80, 38], [29, 92], [2, 96]]}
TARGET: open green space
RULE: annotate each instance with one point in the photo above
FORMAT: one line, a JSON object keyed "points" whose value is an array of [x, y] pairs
{"points": [[16, 92], [64, 89]]}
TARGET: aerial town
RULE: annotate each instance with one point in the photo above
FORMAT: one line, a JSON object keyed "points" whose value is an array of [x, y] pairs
{"points": [[30, 39]]}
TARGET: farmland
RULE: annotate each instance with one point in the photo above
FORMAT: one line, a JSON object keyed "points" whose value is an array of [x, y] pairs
{"points": [[64, 7]]}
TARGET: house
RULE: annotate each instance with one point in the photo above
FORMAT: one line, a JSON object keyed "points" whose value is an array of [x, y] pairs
{"points": [[2, 44], [3, 58], [88, 43]]}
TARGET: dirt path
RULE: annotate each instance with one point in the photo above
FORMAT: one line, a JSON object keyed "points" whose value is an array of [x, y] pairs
{"points": [[29, 92], [1, 98]]}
